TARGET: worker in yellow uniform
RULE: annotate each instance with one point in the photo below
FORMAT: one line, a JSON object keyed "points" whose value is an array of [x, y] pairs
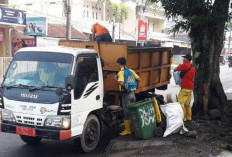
{"points": [[187, 86], [127, 79]]}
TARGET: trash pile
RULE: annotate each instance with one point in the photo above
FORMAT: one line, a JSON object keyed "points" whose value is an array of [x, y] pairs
{"points": [[154, 117]]}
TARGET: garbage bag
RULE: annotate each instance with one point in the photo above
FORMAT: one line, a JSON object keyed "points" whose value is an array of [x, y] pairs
{"points": [[177, 78], [174, 117]]}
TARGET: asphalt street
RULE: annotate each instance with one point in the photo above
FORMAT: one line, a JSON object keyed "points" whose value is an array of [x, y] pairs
{"points": [[12, 146]]}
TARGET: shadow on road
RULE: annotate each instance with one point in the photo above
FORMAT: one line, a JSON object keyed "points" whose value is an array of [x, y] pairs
{"points": [[50, 148]]}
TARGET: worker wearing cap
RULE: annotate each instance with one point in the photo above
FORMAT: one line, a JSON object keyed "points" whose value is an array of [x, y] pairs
{"points": [[127, 97], [187, 86], [100, 33]]}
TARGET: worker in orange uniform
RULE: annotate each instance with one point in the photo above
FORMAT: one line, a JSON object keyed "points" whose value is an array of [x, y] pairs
{"points": [[187, 86], [127, 79], [100, 33]]}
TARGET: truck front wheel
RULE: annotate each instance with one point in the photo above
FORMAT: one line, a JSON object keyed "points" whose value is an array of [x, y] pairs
{"points": [[91, 134], [30, 140]]}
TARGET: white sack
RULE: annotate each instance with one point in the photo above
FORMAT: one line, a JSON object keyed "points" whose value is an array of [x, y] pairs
{"points": [[174, 117], [177, 78]]}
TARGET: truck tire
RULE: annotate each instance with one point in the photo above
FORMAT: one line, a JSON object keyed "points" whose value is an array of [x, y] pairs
{"points": [[91, 134], [30, 140]]}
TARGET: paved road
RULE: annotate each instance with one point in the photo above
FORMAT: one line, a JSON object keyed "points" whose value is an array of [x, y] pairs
{"points": [[12, 146], [225, 76]]}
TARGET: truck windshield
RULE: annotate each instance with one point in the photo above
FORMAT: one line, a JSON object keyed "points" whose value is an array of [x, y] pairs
{"points": [[38, 69]]}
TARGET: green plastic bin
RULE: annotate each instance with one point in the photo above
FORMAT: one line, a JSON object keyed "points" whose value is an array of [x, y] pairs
{"points": [[143, 118]]}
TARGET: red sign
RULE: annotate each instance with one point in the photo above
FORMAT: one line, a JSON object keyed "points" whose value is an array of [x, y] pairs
{"points": [[29, 42], [25, 131], [142, 30]]}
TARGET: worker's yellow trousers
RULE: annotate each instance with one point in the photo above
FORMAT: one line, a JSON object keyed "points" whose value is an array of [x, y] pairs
{"points": [[184, 99]]}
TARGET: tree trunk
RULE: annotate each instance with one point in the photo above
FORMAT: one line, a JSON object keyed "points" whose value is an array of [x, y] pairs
{"points": [[207, 43]]}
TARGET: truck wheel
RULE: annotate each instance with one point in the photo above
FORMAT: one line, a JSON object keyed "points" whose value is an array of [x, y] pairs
{"points": [[30, 140], [91, 134]]}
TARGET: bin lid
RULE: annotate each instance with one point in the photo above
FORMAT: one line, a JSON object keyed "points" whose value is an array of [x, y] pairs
{"points": [[139, 103]]}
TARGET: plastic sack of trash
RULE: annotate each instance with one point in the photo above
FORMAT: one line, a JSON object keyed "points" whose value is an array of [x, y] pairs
{"points": [[174, 117], [177, 78]]}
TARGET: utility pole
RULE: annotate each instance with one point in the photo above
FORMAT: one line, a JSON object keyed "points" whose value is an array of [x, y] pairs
{"points": [[113, 31], [68, 20], [226, 55]]}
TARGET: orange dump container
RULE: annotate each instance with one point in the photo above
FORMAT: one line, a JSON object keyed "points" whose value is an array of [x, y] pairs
{"points": [[151, 64]]}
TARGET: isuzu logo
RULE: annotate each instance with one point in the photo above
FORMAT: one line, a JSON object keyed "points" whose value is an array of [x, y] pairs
{"points": [[31, 96]]}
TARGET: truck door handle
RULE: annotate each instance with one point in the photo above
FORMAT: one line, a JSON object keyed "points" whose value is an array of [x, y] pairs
{"points": [[98, 97]]}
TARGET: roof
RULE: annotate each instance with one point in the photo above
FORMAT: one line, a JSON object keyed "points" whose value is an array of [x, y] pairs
{"points": [[59, 31], [57, 49]]}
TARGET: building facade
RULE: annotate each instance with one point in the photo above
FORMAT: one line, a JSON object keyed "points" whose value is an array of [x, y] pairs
{"points": [[86, 12]]}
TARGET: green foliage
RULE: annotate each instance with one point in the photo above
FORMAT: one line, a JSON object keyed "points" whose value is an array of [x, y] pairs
{"points": [[195, 13], [119, 10]]}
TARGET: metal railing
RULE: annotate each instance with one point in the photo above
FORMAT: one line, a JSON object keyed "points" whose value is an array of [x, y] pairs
{"points": [[4, 63]]}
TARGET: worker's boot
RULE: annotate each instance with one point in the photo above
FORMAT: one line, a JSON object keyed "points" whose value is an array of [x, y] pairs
{"points": [[127, 130]]}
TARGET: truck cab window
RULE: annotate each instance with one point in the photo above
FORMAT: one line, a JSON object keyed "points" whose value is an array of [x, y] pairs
{"points": [[86, 72]]}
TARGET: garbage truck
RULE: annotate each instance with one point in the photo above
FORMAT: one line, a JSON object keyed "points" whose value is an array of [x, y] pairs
{"points": [[68, 91]]}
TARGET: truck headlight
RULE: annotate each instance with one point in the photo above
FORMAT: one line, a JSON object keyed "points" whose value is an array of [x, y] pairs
{"points": [[58, 122], [7, 115]]}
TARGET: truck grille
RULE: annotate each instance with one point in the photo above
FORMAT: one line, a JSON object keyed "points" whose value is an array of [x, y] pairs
{"points": [[29, 120]]}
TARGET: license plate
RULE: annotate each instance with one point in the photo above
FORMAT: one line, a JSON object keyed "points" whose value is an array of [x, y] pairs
{"points": [[25, 131]]}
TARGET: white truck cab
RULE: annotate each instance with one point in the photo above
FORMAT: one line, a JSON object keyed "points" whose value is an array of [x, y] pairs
{"points": [[54, 93], [60, 93]]}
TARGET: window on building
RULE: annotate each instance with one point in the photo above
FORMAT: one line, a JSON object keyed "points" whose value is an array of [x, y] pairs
{"points": [[93, 15], [84, 13], [87, 14], [99, 8], [96, 16], [87, 6], [96, 7], [153, 27], [84, 6], [52, 2], [28, 4]]}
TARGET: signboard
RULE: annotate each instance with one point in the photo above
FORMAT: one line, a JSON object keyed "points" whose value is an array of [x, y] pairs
{"points": [[142, 30], [36, 26], [12, 16], [20, 43]]}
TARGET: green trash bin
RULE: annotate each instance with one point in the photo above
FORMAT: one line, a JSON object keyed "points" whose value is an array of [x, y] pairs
{"points": [[143, 118]]}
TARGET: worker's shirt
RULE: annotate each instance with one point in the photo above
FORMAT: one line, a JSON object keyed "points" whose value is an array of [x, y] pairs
{"points": [[99, 29], [187, 81], [121, 76], [47, 78]]}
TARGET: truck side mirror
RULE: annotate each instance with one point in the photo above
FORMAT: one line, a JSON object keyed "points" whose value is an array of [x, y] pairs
{"points": [[69, 82]]}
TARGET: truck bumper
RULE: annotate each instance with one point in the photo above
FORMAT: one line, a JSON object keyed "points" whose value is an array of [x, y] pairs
{"points": [[35, 132]]}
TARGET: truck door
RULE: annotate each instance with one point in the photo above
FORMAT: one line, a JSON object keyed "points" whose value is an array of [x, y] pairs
{"points": [[88, 91]]}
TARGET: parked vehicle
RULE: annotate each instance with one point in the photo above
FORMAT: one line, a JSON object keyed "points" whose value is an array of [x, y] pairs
{"points": [[222, 60], [63, 92], [230, 61]]}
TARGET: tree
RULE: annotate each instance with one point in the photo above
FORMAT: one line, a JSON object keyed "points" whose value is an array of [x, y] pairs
{"points": [[205, 20], [144, 4], [118, 11]]}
